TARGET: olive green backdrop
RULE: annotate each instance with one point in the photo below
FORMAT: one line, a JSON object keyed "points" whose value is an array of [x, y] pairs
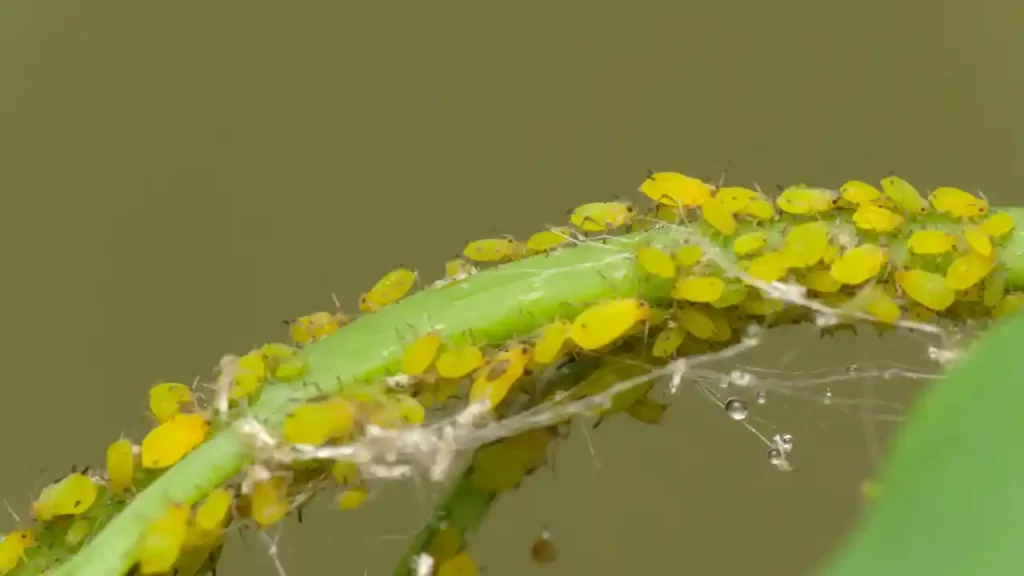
{"points": [[177, 178]]}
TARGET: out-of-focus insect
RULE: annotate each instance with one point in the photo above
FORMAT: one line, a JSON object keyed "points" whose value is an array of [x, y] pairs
{"points": [[543, 548]]}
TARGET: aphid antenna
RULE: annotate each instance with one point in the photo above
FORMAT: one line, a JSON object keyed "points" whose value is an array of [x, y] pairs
{"points": [[11, 511], [725, 171]]}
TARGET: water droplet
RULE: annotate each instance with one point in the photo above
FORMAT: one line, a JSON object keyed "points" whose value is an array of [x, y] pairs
{"points": [[785, 442], [762, 397], [828, 396], [775, 457], [736, 409]]}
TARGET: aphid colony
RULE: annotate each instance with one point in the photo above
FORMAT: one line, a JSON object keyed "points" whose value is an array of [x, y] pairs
{"points": [[887, 252]]}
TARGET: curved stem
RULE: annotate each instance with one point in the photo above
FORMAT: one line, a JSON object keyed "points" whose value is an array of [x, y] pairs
{"points": [[490, 308]]}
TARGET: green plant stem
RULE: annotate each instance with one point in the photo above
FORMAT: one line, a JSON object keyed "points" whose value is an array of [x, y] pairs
{"points": [[490, 308]]}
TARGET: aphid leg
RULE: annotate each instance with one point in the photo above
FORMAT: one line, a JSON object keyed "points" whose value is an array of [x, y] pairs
{"points": [[680, 211], [595, 221]]}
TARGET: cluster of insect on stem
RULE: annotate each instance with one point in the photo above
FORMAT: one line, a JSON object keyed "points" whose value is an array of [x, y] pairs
{"points": [[715, 266]]}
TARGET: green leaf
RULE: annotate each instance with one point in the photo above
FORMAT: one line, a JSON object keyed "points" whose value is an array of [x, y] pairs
{"points": [[951, 497]]}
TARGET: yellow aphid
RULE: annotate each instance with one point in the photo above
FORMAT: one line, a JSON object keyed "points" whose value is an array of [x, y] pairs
{"points": [[121, 465], [760, 209], [803, 200], [926, 288], [858, 264], [551, 342], [967, 270], [70, 496], [440, 391], [698, 288], [821, 281], [880, 305], [696, 322], [490, 249], [212, 514], [518, 251], [995, 289], [604, 323], [611, 372], [978, 240], [316, 423], [162, 541], [733, 294], [79, 530], [172, 440], [462, 564], [352, 497], [856, 192], [723, 330], [445, 543], [421, 353], [269, 501], [547, 240], [647, 411], [457, 268], [12, 549], [602, 216], [1010, 304], [749, 243], [736, 198], [806, 244], [930, 242], [345, 473], [391, 288], [757, 305], [876, 219], [904, 195], [656, 261], [201, 553], [313, 327], [769, 267], [662, 213], [493, 381], [688, 254], [957, 203], [250, 374], [459, 362], [276, 351], [718, 216], [399, 410], [167, 398], [998, 225], [657, 317], [674, 189], [971, 294], [283, 362], [668, 341]]}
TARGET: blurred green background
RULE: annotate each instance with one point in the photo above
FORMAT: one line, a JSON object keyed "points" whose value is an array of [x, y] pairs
{"points": [[177, 178]]}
